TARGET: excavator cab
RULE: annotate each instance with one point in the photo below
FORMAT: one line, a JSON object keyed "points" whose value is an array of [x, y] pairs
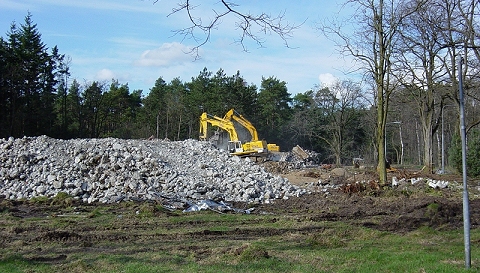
{"points": [[235, 147]]}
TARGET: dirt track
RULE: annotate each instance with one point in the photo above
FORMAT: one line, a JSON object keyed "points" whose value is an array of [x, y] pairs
{"points": [[397, 214]]}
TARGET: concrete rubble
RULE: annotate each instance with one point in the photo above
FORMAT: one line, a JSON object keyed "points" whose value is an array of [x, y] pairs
{"points": [[110, 170], [432, 183]]}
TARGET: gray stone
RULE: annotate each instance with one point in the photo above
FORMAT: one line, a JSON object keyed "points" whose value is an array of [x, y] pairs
{"points": [[51, 178], [58, 184], [40, 189], [85, 186]]}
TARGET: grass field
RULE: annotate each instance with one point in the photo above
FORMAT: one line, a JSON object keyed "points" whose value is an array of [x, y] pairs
{"points": [[144, 237]]}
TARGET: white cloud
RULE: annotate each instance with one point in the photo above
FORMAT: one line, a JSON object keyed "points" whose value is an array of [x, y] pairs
{"points": [[167, 54], [105, 75], [327, 79]]}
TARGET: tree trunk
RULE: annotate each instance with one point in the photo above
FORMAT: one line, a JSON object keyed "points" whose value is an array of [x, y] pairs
{"points": [[179, 127], [439, 150], [419, 148], [381, 118], [166, 127], [381, 167], [338, 160], [427, 146]]}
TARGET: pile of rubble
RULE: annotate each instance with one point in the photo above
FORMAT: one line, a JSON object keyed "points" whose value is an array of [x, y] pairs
{"points": [[110, 170]]}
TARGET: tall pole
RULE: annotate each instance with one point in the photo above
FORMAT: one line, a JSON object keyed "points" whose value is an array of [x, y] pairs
{"points": [[466, 212], [401, 143]]}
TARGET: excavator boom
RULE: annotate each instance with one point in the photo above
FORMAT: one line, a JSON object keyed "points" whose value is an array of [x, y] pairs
{"points": [[219, 122], [232, 114]]}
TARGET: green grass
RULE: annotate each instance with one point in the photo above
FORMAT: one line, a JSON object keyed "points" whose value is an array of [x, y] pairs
{"points": [[154, 240]]}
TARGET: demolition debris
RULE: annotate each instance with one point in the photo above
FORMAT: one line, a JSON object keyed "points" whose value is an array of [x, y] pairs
{"points": [[111, 170]]}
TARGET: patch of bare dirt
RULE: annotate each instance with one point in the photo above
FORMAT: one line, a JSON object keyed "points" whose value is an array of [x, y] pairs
{"points": [[359, 199], [397, 214]]}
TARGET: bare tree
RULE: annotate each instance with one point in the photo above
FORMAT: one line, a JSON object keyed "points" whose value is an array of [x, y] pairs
{"points": [[340, 104], [470, 13], [250, 26], [331, 115], [432, 41], [373, 44], [421, 70], [461, 35]]}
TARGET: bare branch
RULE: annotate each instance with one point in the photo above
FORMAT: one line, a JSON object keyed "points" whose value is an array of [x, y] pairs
{"points": [[252, 27]]}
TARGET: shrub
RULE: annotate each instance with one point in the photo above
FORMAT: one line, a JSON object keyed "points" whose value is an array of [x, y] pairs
{"points": [[473, 153]]}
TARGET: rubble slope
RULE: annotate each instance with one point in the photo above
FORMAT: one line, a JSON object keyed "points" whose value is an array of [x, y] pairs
{"points": [[110, 170]]}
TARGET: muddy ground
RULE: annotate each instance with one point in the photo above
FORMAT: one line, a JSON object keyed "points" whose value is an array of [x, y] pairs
{"points": [[398, 210]]}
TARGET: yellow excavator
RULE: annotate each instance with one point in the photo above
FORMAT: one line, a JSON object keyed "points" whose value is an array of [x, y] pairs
{"points": [[235, 146], [232, 114]]}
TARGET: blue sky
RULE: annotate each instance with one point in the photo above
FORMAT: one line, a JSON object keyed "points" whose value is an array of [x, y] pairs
{"points": [[133, 41]]}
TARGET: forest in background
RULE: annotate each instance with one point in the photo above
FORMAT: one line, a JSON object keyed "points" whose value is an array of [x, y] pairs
{"points": [[38, 97]]}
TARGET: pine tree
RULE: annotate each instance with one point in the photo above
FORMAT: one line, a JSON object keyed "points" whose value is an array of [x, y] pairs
{"points": [[28, 82]]}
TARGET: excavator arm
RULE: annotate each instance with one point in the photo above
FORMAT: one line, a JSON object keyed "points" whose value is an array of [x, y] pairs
{"points": [[232, 114], [226, 125]]}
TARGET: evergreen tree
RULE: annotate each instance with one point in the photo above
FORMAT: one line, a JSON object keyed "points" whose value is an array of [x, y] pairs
{"points": [[120, 108], [473, 156], [35, 88], [176, 111], [74, 118], [28, 82], [60, 108], [202, 96], [241, 97], [5, 91], [153, 113], [274, 110], [92, 115], [11, 68], [473, 153]]}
